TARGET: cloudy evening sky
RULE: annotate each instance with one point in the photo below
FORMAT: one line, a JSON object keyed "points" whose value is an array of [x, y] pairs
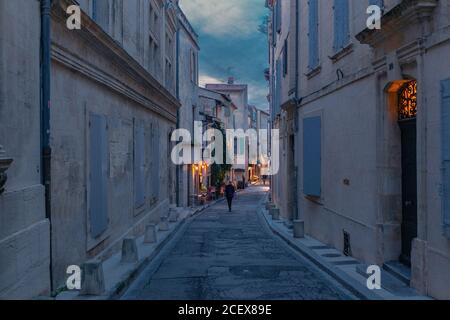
{"points": [[231, 44]]}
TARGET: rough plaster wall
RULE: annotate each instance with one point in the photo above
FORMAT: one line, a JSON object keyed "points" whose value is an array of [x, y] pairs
{"points": [[24, 231]]}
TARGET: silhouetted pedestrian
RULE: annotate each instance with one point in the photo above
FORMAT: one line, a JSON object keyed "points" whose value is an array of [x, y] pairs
{"points": [[229, 194]]}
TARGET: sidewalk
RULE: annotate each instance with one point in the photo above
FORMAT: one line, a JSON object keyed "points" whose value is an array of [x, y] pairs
{"points": [[118, 276], [348, 271]]}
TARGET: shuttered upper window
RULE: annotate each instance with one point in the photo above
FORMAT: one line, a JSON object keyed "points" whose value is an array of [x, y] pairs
{"points": [[313, 34], [341, 24]]}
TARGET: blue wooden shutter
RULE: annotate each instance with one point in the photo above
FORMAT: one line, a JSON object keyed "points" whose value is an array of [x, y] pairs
{"points": [[341, 24], [278, 87], [139, 166], [285, 58], [98, 174], [278, 15], [445, 85], [313, 33], [312, 157]]}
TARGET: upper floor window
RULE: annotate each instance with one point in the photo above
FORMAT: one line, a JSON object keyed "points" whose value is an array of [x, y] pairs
{"points": [[341, 24], [169, 66], [154, 55], [194, 66], [278, 16], [313, 34]]}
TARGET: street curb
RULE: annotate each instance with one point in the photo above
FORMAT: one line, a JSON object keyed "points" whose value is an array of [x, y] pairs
{"points": [[129, 278], [348, 283]]}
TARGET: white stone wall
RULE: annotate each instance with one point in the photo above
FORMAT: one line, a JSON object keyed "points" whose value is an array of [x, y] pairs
{"points": [[361, 155], [24, 229], [188, 96]]}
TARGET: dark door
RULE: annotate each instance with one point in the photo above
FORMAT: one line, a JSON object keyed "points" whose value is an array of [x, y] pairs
{"points": [[409, 187]]}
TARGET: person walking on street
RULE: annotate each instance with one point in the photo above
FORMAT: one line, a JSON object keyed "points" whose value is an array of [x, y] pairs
{"points": [[229, 194]]}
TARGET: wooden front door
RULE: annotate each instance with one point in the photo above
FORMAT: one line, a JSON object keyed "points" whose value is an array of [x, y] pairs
{"points": [[409, 187]]}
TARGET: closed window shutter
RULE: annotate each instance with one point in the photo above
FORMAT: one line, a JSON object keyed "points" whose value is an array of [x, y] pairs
{"points": [[98, 174], [445, 85], [312, 157], [341, 24], [278, 15], [278, 87], [139, 166], [313, 34]]}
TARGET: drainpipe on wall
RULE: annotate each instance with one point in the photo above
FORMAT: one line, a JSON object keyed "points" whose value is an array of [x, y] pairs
{"points": [[46, 151], [177, 185], [296, 97]]}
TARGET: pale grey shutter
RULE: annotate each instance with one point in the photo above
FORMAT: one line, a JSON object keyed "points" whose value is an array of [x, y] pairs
{"points": [[98, 174], [313, 33], [139, 166]]}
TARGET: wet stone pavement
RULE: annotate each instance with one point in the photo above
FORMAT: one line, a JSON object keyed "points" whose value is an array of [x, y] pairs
{"points": [[232, 256]]}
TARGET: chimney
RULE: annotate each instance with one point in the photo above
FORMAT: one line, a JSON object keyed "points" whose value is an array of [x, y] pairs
{"points": [[230, 80]]}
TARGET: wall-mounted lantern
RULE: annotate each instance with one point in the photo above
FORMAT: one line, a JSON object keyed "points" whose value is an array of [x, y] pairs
{"points": [[5, 162]]}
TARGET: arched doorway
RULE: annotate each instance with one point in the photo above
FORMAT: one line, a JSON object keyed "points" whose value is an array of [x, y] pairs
{"points": [[407, 111]]}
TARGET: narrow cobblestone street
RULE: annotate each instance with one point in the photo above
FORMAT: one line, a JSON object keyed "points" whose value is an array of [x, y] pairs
{"points": [[232, 256]]}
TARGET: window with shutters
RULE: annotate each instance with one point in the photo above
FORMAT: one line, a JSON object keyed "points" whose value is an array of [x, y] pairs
{"points": [[341, 24], [139, 165], [285, 58], [313, 34], [98, 175], [312, 157], [154, 57], [445, 106], [278, 16]]}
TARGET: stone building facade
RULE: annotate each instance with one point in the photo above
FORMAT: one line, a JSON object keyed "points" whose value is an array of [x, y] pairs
{"points": [[239, 96], [188, 93], [113, 92], [114, 108], [369, 121]]}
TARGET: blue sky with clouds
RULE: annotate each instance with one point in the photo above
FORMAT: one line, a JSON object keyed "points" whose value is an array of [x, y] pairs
{"points": [[231, 44]]}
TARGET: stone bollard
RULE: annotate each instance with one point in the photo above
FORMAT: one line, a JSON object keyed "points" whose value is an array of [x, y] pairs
{"points": [[173, 216], [92, 279], [299, 229], [164, 224], [275, 213], [150, 234], [129, 250]]}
